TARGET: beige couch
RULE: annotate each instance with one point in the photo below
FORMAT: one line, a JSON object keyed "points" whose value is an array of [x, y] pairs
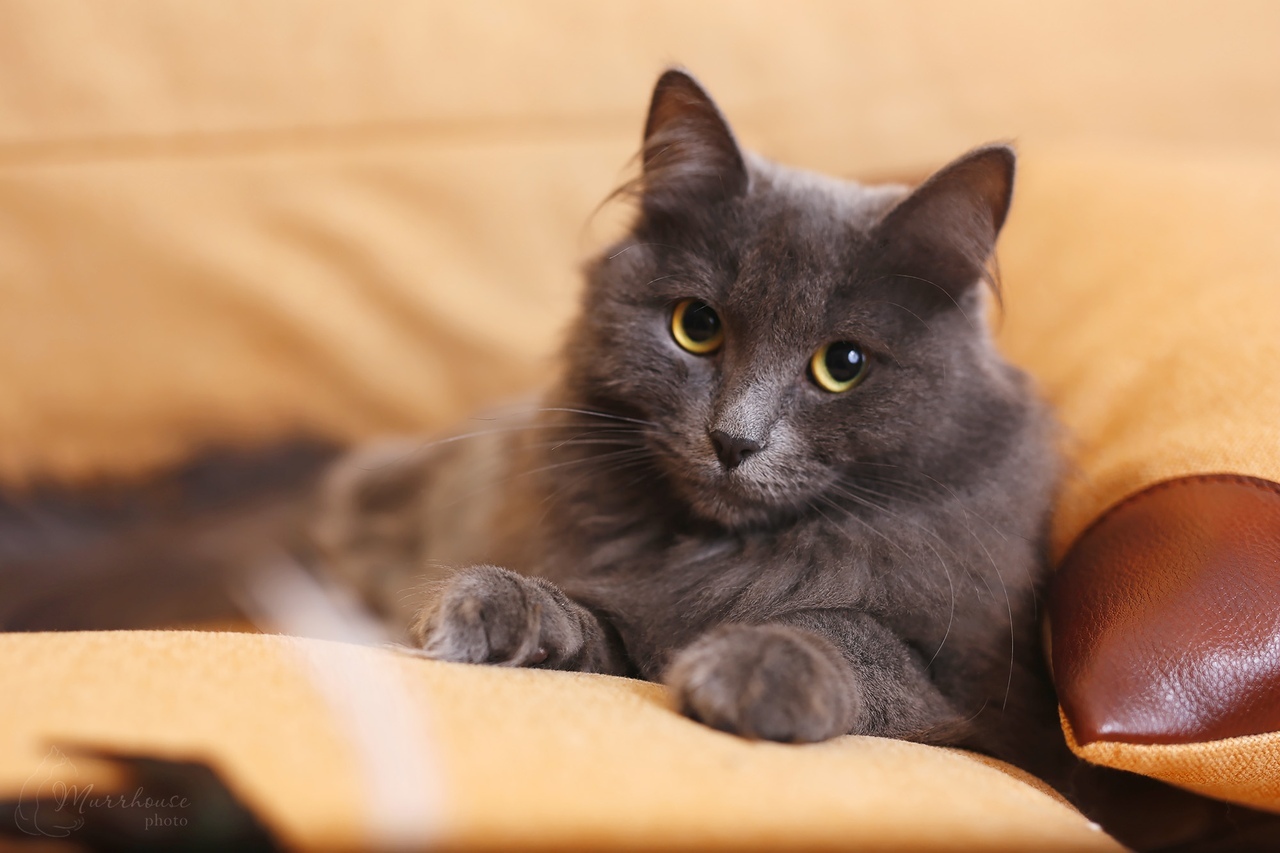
{"points": [[225, 223]]}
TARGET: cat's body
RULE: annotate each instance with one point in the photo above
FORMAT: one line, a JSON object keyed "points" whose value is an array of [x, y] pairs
{"points": [[796, 562]]}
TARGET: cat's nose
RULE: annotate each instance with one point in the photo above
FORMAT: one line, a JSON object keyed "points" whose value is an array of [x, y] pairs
{"points": [[732, 449]]}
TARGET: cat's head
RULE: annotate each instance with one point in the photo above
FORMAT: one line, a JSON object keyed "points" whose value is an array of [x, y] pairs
{"points": [[785, 330]]}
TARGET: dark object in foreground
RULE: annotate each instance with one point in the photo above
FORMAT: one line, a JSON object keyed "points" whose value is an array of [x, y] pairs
{"points": [[161, 805]]}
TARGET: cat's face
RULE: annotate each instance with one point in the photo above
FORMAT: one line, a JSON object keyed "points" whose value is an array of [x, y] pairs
{"points": [[781, 330]]}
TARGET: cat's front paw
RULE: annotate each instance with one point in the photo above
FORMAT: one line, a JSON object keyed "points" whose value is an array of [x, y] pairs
{"points": [[490, 615], [772, 682]]}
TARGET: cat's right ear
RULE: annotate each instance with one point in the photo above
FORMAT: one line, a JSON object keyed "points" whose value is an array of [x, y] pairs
{"points": [[690, 156]]}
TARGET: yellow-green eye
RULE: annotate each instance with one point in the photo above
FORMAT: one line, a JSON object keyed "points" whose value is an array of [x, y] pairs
{"points": [[696, 327], [838, 367]]}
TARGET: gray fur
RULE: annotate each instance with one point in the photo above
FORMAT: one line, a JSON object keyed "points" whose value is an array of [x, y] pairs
{"points": [[873, 568]]}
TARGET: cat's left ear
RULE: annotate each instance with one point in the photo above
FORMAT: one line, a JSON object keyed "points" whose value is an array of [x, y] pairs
{"points": [[943, 233], [690, 156]]}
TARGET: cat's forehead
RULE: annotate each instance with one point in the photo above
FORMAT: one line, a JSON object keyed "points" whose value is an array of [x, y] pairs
{"points": [[798, 240], [812, 199]]}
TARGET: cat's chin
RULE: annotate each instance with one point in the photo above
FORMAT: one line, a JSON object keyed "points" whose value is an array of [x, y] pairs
{"points": [[733, 507], [740, 518]]}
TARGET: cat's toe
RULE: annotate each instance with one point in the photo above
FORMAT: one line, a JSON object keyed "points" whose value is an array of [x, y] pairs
{"points": [[770, 682], [484, 615]]}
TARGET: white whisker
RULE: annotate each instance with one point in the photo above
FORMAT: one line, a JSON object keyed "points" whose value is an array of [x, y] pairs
{"points": [[994, 567], [937, 555], [597, 414]]}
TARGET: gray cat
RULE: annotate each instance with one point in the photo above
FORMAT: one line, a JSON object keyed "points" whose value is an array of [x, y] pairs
{"points": [[784, 470]]}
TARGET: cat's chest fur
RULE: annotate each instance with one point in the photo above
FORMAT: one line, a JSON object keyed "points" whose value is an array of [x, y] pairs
{"points": [[630, 550]]}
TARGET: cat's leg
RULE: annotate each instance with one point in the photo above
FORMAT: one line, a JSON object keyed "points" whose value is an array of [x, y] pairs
{"points": [[485, 614], [396, 514], [810, 676]]}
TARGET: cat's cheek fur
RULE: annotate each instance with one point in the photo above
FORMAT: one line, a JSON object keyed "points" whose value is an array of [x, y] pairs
{"points": [[771, 682], [490, 615]]}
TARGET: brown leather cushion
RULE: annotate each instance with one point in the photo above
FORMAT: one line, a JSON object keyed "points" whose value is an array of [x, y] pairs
{"points": [[1166, 615], [1166, 637]]}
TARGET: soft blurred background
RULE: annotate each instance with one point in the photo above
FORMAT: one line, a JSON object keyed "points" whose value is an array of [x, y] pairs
{"points": [[227, 221]]}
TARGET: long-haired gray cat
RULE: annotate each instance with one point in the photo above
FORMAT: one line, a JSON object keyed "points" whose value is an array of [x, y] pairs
{"points": [[784, 470]]}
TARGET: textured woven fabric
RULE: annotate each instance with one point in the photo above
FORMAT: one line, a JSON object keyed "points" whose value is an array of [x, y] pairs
{"points": [[511, 758], [1244, 770], [1144, 295]]}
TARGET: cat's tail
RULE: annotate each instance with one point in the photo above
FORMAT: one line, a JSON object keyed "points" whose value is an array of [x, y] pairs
{"points": [[173, 549]]}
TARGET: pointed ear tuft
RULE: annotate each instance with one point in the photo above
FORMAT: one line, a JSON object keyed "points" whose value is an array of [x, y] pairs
{"points": [[690, 155], [945, 231]]}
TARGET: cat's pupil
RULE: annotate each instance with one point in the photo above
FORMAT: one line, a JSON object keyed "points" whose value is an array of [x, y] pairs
{"points": [[700, 322], [844, 361]]}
